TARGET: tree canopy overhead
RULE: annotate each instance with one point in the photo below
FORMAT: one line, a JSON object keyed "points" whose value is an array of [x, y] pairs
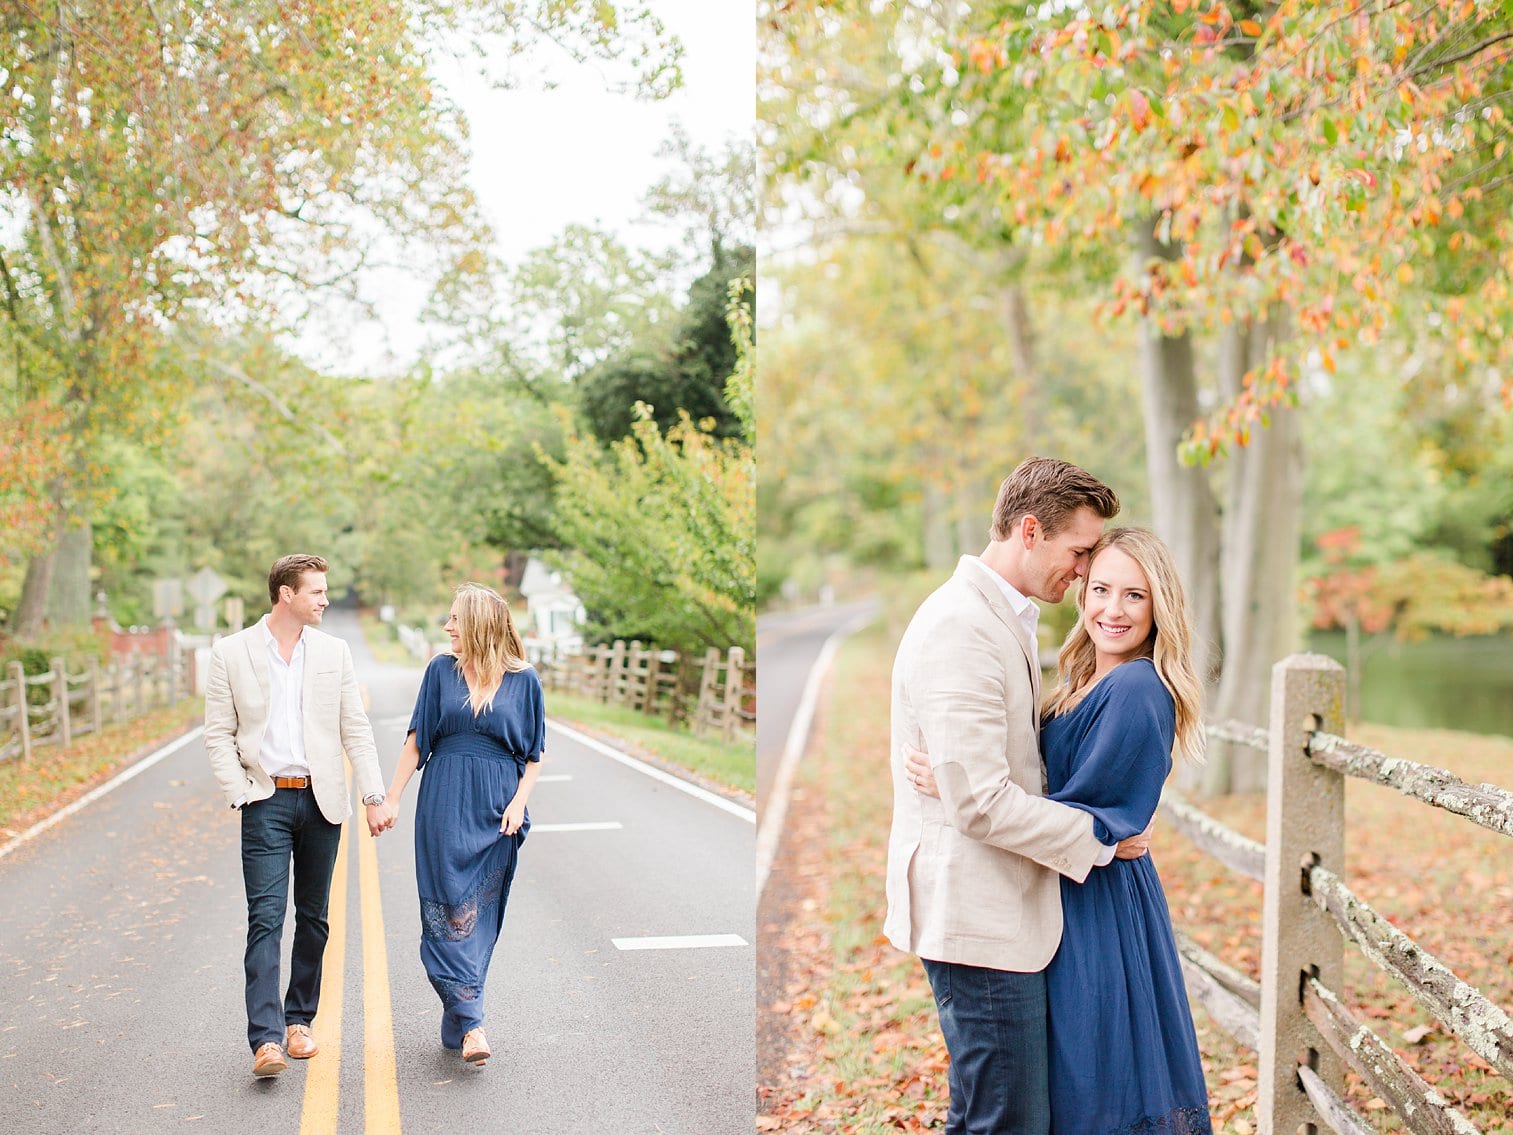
{"points": [[1346, 163], [170, 171]]}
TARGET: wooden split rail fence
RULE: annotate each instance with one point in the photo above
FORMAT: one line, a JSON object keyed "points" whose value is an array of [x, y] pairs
{"points": [[1295, 1017], [57, 706], [718, 697]]}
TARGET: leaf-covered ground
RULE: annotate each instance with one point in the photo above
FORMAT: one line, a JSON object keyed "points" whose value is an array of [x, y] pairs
{"points": [[864, 1051], [55, 776]]}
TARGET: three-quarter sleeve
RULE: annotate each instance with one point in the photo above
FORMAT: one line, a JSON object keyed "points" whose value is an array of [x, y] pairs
{"points": [[427, 713], [533, 719], [1125, 755], [537, 719]]}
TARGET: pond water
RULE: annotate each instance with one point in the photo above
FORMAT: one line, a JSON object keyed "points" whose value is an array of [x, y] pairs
{"points": [[1440, 683]]}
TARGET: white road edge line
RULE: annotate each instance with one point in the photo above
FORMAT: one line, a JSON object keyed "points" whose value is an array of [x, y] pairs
{"points": [[554, 777], [598, 826], [90, 797], [682, 942], [771, 830], [747, 814]]}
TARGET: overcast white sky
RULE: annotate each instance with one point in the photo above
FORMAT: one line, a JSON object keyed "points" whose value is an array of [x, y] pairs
{"points": [[580, 153]]}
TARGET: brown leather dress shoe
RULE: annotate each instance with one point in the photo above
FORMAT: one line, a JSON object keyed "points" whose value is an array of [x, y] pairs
{"points": [[269, 1060], [299, 1042], [475, 1047]]}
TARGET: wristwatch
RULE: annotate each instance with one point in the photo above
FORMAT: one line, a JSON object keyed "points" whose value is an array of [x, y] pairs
{"points": [[373, 798]]}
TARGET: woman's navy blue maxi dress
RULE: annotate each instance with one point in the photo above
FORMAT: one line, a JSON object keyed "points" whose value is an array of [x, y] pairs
{"points": [[1124, 1056], [463, 864]]}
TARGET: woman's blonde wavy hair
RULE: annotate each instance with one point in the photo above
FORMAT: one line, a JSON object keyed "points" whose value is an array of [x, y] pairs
{"points": [[1170, 645], [489, 643]]}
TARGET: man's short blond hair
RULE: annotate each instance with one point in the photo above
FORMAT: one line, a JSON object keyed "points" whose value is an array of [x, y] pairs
{"points": [[1051, 491], [289, 571]]}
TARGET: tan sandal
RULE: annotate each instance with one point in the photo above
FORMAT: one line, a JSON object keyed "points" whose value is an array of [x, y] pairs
{"points": [[475, 1047]]}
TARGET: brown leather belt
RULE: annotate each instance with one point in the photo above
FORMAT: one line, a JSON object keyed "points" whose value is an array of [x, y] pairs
{"points": [[291, 782]]}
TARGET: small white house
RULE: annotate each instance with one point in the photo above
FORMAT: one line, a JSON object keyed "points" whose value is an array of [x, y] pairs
{"points": [[554, 617]]}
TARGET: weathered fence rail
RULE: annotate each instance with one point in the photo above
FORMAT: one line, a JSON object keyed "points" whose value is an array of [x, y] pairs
{"points": [[57, 706], [1294, 1017], [716, 696]]}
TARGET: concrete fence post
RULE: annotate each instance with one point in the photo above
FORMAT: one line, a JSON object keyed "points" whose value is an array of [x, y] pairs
{"points": [[117, 689], [60, 699], [614, 677], [704, 714], [175, 660], [1305, 824], [23, 710], [96, 713], [735, 662]]}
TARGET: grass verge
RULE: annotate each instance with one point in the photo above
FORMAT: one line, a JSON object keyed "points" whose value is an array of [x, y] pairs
{"points": [[730, 764], [55, 777], [874, 1062]]}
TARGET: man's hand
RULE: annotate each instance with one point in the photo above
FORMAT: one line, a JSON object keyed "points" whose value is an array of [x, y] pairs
{"points": [[917, 765], [380, 818], [1136, 845]]}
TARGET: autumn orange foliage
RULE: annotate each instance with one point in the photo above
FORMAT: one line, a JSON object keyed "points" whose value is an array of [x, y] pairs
{"points": [[1346, 164]]}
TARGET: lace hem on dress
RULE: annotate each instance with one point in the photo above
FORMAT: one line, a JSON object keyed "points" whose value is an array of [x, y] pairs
{"points": [[446, 922], [1178, 1121]]}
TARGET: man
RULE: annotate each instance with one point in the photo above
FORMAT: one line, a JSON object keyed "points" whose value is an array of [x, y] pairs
{"points": [[281, 706], [972, 876]]}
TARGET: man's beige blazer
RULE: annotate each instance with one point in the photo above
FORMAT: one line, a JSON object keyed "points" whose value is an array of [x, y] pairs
{"points": [[972, 877], [237, 693]]}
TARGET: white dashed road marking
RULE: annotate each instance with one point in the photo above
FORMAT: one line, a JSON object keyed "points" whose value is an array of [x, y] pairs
{"points": [[680, 942]]}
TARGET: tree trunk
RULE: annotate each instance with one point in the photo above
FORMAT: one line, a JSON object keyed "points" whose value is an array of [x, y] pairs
{"points": [[68, 599], [972, 517], [26, 621], [1184, 510], [1021, 336], [939, 547], [1260, 557]]}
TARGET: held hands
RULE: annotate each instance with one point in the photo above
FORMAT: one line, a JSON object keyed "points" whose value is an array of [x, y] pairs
{"points": [[381, 817], [514, 816]]}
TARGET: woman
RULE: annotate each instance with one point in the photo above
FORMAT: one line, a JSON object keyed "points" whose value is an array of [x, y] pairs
{"points": [[478, 731], [1123, 1051]]}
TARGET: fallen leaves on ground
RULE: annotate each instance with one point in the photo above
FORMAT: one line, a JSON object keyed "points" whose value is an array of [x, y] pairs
{"points": [[57, 775]]}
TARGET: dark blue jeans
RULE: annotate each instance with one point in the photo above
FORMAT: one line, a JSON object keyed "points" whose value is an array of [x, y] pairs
{"points": [[285, 828], [994, 1023]]}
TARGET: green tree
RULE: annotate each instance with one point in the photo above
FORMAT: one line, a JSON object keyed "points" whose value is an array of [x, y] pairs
{"points": [[201, 159], [658, 529], [686, 375]]}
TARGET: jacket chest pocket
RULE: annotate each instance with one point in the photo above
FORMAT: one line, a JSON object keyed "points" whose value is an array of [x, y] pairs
{"points": [[325, 688]]}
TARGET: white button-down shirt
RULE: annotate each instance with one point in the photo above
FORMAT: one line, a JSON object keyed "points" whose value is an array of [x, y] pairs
{"points": [[283, 750], [1022, 605]]}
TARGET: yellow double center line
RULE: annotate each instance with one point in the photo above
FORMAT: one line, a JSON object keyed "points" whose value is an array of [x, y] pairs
{"points": [[323, 1080]]}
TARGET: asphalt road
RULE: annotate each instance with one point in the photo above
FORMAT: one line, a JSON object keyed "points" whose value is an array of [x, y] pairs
{"points": [[788, 644], [789, 648], [122, 929]]}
